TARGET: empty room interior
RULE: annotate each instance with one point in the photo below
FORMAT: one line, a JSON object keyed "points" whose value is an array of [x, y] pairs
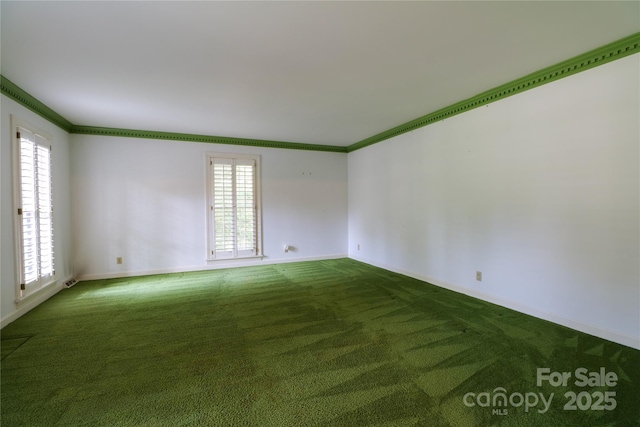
{"points": [[320, 213]]}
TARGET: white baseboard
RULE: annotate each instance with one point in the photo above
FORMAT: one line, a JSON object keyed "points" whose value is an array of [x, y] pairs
{"points": [[28, 305], [214, 265], [633, 342]]}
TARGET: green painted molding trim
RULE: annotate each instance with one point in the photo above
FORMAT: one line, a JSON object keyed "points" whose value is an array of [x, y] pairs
{"points": [[14, 92], [610, 52], [132, 133]]}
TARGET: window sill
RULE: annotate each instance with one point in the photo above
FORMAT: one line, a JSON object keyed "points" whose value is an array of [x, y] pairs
{"points": [[35, 294], [236, 258]]}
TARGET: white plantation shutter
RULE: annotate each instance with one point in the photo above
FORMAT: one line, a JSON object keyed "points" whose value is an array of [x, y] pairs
{"points": [[233, 207], [35, 210], [245, 206], [45, 206], [27, 209], [223, 215]]}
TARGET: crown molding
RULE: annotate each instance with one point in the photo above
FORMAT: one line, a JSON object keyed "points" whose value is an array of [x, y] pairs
{"points": [[610, 52], [170, 136], [10, 89]]}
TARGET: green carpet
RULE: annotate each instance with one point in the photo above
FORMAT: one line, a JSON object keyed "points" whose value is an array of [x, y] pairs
{"points": [[326, 343]]}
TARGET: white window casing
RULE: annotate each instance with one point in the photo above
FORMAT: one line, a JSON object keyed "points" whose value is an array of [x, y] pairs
{"points": [[233, 206], [33, 200]]}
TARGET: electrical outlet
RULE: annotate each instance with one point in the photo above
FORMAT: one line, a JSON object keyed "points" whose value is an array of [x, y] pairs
{"points": [[119, 260], [358, 247], [479, 276]]}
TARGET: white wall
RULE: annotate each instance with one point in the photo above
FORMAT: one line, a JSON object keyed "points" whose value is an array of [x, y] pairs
{"points": [[539, 191], [144, 200], [61, 202]]}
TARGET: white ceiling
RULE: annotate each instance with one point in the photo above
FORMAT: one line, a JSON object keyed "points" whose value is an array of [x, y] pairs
{"points": [[329, 73]]}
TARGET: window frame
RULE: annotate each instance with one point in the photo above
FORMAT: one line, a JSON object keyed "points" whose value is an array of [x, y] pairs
{"points": [[41, 138], [212, 254]]}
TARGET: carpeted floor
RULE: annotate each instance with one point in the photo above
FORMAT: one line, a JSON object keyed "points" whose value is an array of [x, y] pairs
{"points": [[327, 343]]}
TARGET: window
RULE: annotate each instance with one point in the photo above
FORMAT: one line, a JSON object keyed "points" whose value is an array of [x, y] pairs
{"points": [[233, 206], [34, 219]]}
